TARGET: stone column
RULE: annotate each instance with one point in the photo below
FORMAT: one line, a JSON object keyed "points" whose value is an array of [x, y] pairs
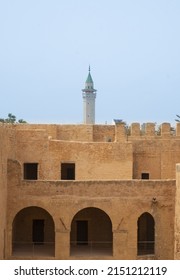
{"points": [[120, 244], [123, 248], [8, 244], [62, 245]]}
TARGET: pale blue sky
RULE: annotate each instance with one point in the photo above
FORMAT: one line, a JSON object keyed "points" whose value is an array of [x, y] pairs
{"points": [[133, 47]]}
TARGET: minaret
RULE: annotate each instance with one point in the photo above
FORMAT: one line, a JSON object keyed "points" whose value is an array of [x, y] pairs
{"points": [[89, 96]]}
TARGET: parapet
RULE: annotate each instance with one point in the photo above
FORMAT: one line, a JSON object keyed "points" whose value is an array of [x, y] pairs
{"points": [[147, 130], [119, 132]]}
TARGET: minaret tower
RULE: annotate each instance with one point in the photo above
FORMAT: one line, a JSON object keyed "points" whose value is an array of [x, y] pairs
{"points": [[89, 96]]}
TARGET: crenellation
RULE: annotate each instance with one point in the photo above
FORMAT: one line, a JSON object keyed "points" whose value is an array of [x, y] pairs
{"points": [[150, 129], [165, 130], [135, 130], [120, 132]]}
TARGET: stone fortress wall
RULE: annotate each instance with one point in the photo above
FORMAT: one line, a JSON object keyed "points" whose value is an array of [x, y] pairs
{"points": [[109, 162]]}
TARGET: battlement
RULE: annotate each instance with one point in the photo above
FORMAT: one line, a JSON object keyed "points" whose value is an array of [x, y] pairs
{"points": [[146, 130], [98, 133]]}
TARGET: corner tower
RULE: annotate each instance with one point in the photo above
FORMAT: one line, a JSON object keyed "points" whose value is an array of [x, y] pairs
{"points": [[89, 96]]}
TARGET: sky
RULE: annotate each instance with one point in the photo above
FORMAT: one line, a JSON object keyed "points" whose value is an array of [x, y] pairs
{"points": [[132, 46]]}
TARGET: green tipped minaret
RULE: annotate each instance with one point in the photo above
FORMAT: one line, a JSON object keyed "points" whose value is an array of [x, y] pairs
{"points": [[89, 78], [89, 96]]}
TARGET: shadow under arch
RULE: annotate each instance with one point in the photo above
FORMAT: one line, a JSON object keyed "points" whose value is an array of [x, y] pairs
{"points": [[145, 234], [91, 233], [33, 233]]}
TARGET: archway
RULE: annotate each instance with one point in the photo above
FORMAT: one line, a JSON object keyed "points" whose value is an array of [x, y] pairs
{"points": [[91, 233], [33, 233], [146, 234]]}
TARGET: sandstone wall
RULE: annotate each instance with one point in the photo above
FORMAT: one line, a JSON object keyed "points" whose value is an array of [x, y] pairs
{"points": [[154, 152], [106, 159], [122, 200], [177, 216], [6, 140], [3, 190], [157, 157], [93, 160]]}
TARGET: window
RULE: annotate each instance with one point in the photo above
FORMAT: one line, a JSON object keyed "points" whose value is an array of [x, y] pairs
{"points": [[67, 171], [30, 171], [145, 176]]}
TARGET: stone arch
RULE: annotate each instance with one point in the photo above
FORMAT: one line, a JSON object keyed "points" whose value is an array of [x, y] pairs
{"points": [[91, 232], [145, 234], [33, 233]]}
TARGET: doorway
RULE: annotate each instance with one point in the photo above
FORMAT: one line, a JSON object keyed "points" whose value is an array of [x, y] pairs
{"points": [[38, 232], [146, 234], [82, 232]]}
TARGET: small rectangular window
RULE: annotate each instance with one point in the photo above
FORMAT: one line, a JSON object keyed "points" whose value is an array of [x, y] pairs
{"points": [[30, 171], [67, 171], [145, 176]]}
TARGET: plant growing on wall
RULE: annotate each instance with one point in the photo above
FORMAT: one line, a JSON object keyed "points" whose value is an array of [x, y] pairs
{"points": [[11, 119]]}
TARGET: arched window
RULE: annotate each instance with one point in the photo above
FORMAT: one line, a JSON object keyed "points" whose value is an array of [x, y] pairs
{"points": [[145, 234]]}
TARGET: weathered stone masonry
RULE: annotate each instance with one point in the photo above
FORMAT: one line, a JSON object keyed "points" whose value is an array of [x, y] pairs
{"points": [[102, 167]]}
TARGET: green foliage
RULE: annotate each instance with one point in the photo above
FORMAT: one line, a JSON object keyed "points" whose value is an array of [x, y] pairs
{"points": [[21, 121], [177, 120], [11, 119]]}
